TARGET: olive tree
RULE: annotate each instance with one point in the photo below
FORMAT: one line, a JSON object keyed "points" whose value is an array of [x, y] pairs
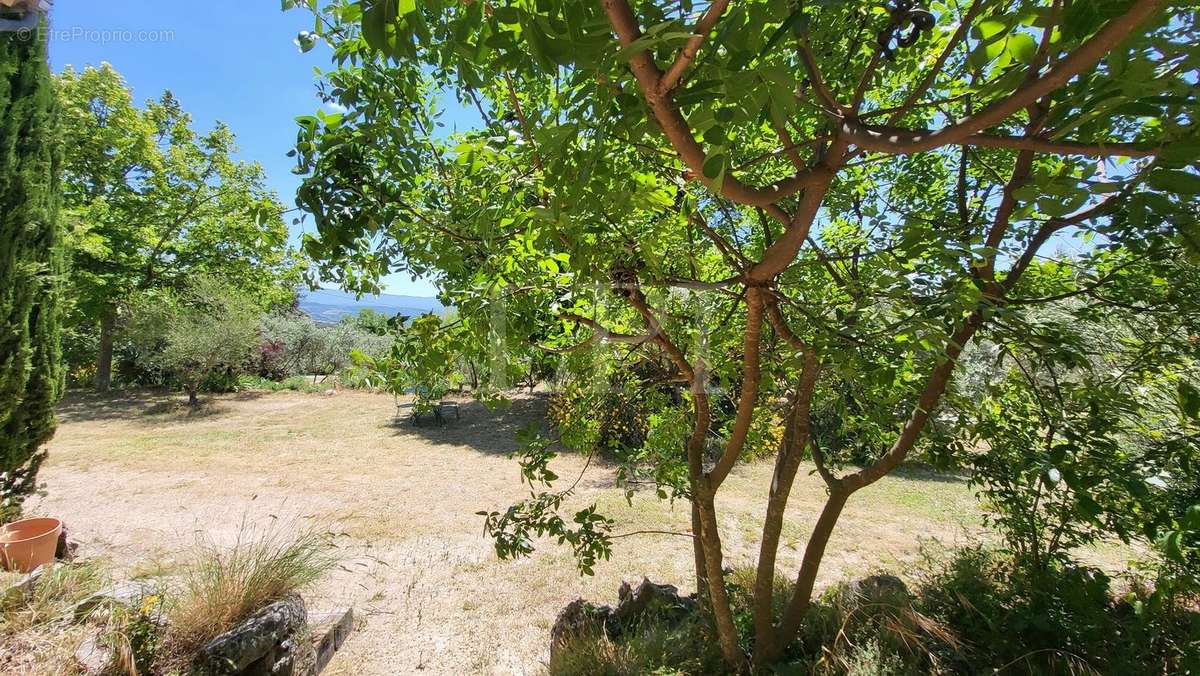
{"points": [[789, 204], [209, 328]]}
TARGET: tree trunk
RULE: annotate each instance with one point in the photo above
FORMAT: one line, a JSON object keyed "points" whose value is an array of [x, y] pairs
{"points": [[193, 398], [814, 553], [718, 595], [786, 466], [698, 554], [108, 321], [796, 440]]}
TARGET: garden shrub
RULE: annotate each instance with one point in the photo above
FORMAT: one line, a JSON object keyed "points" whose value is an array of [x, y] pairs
{"points": [[1063, 618], [653, 648], [869, 627], [292, 344], [974, 611]]}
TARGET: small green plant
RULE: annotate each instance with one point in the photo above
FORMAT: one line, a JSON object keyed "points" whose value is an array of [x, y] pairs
{"points": [[292, 384], [134, 633]]}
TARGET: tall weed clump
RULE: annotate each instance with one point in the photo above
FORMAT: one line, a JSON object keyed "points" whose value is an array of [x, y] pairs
{"points": [[223, 586]]}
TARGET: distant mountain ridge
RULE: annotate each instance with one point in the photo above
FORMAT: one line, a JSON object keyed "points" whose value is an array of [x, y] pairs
{"points": [[331, 305]]}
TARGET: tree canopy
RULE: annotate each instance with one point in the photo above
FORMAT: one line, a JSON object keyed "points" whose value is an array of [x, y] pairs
{"points": [[153, 203], [783, 207]]}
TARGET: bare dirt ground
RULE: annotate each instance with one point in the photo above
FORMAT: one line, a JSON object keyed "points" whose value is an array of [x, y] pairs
{"points": [[138, 479]]}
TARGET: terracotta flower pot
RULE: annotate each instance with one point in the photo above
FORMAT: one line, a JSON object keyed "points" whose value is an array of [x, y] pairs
{"points": [[27, 544]]}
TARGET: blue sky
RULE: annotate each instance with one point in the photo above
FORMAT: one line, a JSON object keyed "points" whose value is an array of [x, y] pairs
{"points": [[233, 62]]}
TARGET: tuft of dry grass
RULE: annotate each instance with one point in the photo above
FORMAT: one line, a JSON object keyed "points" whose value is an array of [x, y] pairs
{"points": [[34, 636], [58, 589], [222, 586]]}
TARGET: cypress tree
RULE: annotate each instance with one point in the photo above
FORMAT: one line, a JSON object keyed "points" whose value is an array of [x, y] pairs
{"points": [[30, 263]]}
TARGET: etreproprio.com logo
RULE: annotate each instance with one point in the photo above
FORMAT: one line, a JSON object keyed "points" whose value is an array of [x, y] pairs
{"points": [[95, 35], [24, 26]]}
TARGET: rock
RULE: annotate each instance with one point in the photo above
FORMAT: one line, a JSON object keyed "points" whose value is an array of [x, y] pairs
{"points": [[263, 645], [125, 594], [881, 589], [23, 589], [65, 551], [663, 600], [93, 657], [635, 605], [579, 617], [330, 630]]}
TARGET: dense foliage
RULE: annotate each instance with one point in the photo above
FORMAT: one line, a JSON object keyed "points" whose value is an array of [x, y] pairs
{"points": [[192, 335], [293, 344], [806, 211], [30, 263], [152, 203], [972, 612]]}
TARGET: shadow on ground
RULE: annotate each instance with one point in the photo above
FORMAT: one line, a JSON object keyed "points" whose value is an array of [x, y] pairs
{"points": [[489, 431], [147, 406]]}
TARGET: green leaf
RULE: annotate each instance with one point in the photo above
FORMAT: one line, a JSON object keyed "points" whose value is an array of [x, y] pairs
{"points": [[1191, 518], [1084, 17], [1088, 507], [1175, 180], [1189, 400], [508, 15], [650, 41], [714, 165], [375, 21], [990, 30], [1022, 47], [306, 41], [1173, 545]]}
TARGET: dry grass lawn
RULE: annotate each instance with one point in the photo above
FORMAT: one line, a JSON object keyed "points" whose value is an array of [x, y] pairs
{"points": [[137, 479]]}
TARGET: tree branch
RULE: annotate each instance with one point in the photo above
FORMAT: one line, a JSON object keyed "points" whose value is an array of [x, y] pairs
{"points": [[688, 53], [905, 141], [751, 378], [677, 131], [1043, 145], [605, 334]]}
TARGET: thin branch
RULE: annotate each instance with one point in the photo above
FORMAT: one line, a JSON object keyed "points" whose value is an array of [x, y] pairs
{"points": [[605, 334], [650, 532], [906, 141], [734, 256], [1044, 145], [824, 95], [692, 47], [963, 26], [526, 131], [775, 317], [818, 457]]}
